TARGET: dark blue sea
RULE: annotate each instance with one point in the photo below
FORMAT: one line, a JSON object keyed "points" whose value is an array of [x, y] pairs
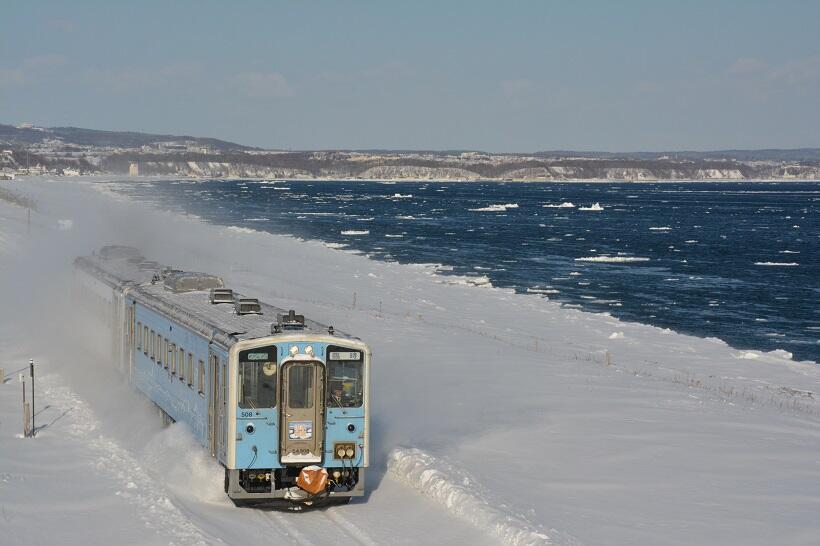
{"points": [[737, 261]]}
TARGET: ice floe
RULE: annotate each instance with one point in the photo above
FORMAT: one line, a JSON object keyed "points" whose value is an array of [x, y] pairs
{"points": [[612, 259], [237, 229], [496, 208], [545, 291]]}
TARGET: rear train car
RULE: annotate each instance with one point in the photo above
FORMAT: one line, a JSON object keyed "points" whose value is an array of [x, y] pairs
{"points": [[280, 401]]}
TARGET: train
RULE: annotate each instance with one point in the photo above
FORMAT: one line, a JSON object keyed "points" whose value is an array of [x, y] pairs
{"points": [[280, 401]]}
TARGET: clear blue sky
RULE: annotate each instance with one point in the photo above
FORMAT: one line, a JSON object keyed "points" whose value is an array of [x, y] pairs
{"points": [[496, 76]]}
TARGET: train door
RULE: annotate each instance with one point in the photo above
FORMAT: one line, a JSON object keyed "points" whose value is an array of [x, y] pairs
{"points": [[131, 341], [302, 407], [116, 332], [221, 414], [213, 403]]}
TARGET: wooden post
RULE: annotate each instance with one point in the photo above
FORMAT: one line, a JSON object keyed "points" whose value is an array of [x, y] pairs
{"points": [[26, 420], [25, 407], [31, 371]]}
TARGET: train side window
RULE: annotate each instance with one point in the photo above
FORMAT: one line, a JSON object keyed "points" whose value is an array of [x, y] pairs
{"points": [[145, 340], [169, 355], [190, 374], [139, 335], [257, 384], [201, 378], [153, 344], [181, 364], [345, 387]]}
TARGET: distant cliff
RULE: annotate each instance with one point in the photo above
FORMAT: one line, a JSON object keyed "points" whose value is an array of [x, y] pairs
{"points": [[70, 151], [410, 167]]}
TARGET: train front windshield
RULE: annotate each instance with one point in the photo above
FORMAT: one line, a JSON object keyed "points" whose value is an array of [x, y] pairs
{"points": [[258, 375], [345, 385], [257, 378]]}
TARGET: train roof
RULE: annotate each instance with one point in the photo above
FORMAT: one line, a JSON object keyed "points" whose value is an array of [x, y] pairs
{"points": [[188, 297]]}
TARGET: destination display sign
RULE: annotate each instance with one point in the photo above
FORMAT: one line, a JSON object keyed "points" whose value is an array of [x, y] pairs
{"points": [[350, 355], [257, 356], [262, 354]]}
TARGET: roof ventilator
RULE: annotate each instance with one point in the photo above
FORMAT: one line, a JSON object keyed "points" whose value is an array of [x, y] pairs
{"points": [[291, 321], [248, 306], [221, 295], [188, 281]]}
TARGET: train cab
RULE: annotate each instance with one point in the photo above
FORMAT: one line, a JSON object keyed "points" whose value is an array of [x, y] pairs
{"points": [[300, 402]]}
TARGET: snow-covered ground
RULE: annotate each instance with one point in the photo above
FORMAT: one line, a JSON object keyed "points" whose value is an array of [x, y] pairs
{"points": [[498, 417]]}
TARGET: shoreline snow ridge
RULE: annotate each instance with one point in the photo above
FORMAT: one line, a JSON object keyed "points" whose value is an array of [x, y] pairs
{"points": [[434, 479]]}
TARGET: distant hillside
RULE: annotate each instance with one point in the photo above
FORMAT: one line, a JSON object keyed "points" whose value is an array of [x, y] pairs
{"points": [[769, 154], [72, 151], [111, 139]]}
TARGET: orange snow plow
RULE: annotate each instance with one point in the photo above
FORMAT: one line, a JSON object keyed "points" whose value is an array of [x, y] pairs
{"points": [[312, 479]]}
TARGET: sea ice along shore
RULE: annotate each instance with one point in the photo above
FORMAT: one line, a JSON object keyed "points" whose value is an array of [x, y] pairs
{"points": [[568, 426]]}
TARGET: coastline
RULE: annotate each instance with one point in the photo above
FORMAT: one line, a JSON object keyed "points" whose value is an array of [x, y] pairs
{"points": [[438, 271], [346, 244], [171, 177]]}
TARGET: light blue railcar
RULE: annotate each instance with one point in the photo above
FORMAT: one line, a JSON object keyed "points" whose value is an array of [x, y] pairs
{"points": [[281, 402]]}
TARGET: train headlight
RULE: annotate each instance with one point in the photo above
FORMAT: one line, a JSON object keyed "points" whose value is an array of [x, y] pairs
{"points": [[309, 350], [294, 350], [344, 450], [250, 428], [336, 474]]}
